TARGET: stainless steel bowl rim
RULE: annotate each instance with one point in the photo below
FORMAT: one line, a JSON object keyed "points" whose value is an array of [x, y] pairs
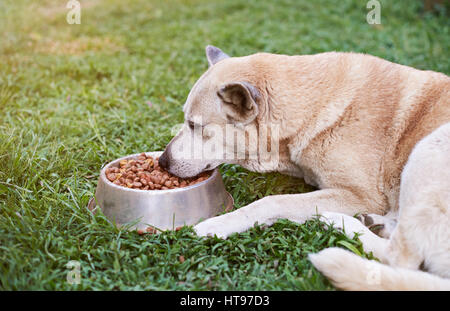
{"points": [[103, 176]]}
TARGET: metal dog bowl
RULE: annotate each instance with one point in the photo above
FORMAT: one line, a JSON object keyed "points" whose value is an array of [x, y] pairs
{"points": [[162, 209]]}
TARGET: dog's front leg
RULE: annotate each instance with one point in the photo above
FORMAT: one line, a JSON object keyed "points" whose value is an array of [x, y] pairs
{"points": [[295, 207]]}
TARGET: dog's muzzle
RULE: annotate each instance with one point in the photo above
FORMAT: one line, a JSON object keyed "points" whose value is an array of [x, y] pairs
{"points": [[164, 161]]}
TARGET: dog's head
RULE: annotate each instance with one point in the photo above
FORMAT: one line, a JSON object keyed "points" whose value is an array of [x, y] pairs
{"points": [[222, 120]]}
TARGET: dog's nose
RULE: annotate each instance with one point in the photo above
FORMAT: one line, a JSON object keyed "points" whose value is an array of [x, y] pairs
{"points": [[164, 161]]}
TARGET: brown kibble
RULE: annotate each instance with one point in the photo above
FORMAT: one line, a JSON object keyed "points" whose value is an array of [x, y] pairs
{"points": [[111, 176], [151, 230], [144, 173]]}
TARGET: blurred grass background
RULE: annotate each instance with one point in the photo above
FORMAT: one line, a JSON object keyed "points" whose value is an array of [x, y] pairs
{"points": [[73, 97]]}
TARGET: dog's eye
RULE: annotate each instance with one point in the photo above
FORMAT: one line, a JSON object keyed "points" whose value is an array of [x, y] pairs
{"points": [[191, 125]]}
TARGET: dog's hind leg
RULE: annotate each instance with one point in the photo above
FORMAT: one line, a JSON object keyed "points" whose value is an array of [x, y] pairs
{"points": [[295, 207], [421, 236], [423, 231]]}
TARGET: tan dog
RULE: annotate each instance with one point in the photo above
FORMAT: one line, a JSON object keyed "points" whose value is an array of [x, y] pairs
{"points": [[345, 122]]}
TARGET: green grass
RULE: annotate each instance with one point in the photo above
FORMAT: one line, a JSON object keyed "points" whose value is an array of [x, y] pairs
{"points": [[73, 97]]}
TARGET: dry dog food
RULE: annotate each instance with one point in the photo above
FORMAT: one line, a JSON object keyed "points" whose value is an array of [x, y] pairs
{"points": [[144, 173]]}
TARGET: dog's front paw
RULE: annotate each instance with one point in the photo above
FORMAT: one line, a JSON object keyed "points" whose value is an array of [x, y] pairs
{"points": [[211, 227], [221, 226]]}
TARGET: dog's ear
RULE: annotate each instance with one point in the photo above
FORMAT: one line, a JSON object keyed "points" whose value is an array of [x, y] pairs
{"points": [[214, 55], [239, 102]]}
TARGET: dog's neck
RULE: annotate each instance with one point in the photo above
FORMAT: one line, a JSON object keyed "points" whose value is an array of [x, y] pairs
{"points": [[309, 89]]}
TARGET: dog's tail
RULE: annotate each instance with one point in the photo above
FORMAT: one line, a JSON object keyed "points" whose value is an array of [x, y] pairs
{"points": [[349, 271]]}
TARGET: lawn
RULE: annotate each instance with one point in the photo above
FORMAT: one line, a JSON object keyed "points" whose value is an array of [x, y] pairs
{"points": [[73, 97]]}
